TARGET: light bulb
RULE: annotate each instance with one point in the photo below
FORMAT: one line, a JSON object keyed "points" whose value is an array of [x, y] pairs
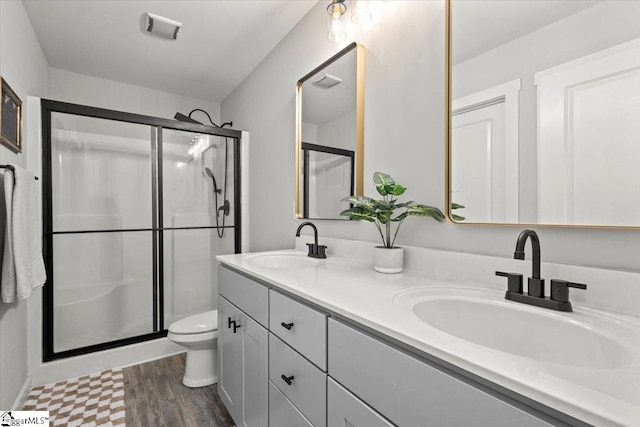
{"points": [[336, 22]]}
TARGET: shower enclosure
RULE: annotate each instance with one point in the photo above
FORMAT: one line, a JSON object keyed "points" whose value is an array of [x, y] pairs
{"points": [[135, 210]]}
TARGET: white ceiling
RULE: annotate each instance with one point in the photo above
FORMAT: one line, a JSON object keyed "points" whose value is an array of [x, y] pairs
{"points": [[219, 44], [479, 26]]}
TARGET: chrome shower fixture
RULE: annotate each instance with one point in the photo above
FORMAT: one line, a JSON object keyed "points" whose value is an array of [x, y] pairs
{"points": [[188, 119]]}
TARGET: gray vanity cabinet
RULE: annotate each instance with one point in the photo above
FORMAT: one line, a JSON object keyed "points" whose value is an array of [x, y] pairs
{"points": [[284, 363], [243, 349], [345, 409], [410, 392], [298, 359]]}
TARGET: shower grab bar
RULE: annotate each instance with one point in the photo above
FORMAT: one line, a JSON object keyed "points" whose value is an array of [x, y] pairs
{"points": [[12, 169]]}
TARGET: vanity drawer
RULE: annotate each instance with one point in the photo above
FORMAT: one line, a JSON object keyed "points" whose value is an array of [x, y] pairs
{"points": [[308, 388], [246, 294], [410, 392], [345, 409], [282, 412], [302, 327]]}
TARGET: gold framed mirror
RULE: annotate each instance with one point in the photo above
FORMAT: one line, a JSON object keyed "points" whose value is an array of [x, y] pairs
{"points": [[543, 102], [329, 139]]}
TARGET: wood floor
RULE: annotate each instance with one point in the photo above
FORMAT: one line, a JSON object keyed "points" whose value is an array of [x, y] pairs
{"points": [[155, 396]]}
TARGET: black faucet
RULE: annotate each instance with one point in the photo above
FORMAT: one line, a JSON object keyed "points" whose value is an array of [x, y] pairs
{"points": [[536, 284], [315, 250], [559, 299]]}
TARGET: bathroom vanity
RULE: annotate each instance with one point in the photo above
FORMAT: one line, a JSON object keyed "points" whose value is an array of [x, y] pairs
{"points": [[310, 342]]}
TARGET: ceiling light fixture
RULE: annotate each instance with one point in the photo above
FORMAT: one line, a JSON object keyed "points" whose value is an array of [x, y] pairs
{"points": [[161, 26], [360, 12], [336, 24]]}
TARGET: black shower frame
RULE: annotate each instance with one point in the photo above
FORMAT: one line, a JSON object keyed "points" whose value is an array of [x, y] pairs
{"points": [[157, 228], [306, 148]]}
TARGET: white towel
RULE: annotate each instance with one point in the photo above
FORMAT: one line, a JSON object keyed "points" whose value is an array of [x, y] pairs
{"points": [[22, 264]]}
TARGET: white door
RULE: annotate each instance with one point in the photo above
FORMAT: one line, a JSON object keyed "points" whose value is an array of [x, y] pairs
{"points": [[484, 154], [589, 139]]}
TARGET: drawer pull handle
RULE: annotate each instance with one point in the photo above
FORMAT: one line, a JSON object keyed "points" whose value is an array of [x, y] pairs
{"points": [[287, 379], [287, 326], [229, 322]]}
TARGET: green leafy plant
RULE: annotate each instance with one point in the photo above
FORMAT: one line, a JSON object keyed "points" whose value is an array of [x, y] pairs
{"points": [[381, 212], [454, 216]]}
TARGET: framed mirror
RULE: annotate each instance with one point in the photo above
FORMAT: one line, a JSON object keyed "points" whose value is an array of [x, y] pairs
{"points": [[330, 135], [544, 108]]}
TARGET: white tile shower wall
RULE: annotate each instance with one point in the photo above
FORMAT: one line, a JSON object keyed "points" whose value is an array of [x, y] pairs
{"points": [[610, 290]]}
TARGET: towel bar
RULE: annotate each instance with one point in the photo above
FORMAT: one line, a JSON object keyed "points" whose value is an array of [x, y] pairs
{"points": [[12, 169]]}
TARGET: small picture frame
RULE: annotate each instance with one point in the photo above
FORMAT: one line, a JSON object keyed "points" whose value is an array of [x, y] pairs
{"points": [[10, 119]]}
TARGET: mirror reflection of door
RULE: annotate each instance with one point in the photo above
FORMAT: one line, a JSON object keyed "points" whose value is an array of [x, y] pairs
{"points": [[328, 178], [576, 121], [484, 148]]}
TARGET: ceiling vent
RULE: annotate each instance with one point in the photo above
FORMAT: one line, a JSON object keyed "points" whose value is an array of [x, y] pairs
{"points": [[327, 81], [161, 26]]}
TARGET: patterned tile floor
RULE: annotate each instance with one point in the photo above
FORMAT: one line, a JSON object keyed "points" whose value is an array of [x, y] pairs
{"points": [[90, 400]]}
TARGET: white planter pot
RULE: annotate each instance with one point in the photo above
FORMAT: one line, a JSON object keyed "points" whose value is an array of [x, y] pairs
{"points": [[388, 260]]}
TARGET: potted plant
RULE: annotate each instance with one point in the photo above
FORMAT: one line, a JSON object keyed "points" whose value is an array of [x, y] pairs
{"points": [[382, 213]]}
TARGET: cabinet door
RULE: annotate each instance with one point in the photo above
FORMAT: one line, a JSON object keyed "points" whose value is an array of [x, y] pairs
{"points": [[410, 392], [344, 409], [229, 356], [254, 377]]}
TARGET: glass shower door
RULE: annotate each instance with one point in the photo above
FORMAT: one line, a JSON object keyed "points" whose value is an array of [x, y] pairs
{"points": [[103, 220], [197, 183]]}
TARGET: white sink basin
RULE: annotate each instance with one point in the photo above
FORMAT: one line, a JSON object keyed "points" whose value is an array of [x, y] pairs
{"points": [[518, 329], [283, 260]]}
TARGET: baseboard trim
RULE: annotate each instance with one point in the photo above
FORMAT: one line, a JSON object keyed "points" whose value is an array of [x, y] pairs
{"points": [[22, 395]]}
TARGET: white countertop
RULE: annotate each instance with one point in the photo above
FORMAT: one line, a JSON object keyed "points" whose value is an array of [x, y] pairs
{"points": [[354, 290]]}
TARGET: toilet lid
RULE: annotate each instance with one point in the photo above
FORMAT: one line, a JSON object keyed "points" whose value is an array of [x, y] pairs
{"points": [[196, 324]]}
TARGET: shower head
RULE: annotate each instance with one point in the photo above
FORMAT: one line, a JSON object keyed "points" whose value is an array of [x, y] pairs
{"points": [[215, 185], [183, 118], [188, 119]]}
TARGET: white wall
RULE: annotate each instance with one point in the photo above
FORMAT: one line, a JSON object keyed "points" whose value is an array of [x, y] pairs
{"points": [[404, 136], [24, 66]]}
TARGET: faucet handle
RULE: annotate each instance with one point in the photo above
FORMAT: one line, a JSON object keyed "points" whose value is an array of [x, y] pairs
{"points": [[514, 281], [317, 251], [560, 289]]}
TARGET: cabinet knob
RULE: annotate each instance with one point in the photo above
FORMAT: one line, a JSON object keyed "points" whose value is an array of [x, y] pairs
{"points": [[229, 322], [286, 379], [236, 326], [287, 326]]}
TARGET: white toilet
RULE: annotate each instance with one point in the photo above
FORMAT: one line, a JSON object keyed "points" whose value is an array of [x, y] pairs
{"points": [[199, 333]]}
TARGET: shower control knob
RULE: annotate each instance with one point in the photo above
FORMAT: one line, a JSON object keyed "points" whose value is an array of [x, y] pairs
{"points": [[286, 379], [287, 326]]}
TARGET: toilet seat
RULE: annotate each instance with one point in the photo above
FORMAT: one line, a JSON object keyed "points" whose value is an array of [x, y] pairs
{"points": [[196, 324]]}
